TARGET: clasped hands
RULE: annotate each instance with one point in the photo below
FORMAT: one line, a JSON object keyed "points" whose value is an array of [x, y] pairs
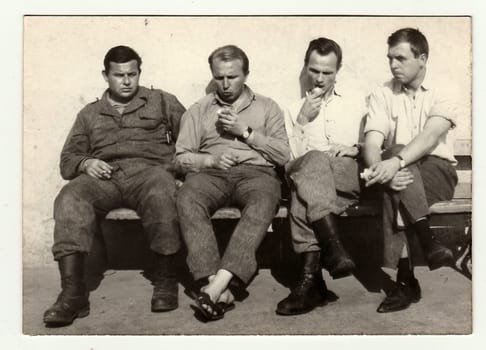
{"points": [[388, 172]]}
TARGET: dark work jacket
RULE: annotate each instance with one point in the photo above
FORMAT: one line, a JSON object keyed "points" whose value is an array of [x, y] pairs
{"points": [[140, 132]]}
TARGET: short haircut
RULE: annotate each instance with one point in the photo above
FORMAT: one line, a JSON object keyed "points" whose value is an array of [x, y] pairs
{"points": [[121, 54], [324, 46], [230, 53], [418, 42]]}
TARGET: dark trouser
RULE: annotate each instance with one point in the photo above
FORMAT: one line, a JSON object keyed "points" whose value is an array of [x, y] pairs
{"points": [[147, 188], [254, 189], [319, 185], [434, 181]]}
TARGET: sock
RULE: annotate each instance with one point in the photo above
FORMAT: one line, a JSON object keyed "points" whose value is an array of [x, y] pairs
{"points": [[405, 271]]}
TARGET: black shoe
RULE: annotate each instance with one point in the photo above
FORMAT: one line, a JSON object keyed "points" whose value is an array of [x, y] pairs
{"points": [[336, 260], [166, 289], [438, 255], [305, 297], [72, 302], [401, 297]]}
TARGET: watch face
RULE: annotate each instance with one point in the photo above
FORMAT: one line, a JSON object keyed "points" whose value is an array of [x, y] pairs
{"points": [[402, 164]]}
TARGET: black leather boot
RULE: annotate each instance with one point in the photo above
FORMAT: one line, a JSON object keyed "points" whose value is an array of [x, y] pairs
{"points": [[436, 254], [309, 292], [72, 302], [336, 260], [164, 280]]}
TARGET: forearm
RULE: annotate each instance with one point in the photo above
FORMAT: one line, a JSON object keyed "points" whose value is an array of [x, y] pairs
{"points": [[420, 146], [274, 149], [371, 154], [190, 162], [70, 164]]}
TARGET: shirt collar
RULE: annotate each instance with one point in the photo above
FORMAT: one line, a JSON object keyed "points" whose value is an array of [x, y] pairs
{"points": [[398, 86], [137, 101], [248, 97]]}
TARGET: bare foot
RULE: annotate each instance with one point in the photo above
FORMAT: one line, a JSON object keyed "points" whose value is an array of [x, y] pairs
{"points": [[217, 289]]}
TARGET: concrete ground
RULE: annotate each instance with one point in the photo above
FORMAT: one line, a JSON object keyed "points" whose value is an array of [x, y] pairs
{"points": [[120, 305]]}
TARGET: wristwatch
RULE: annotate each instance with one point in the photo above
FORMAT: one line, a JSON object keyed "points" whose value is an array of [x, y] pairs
{"points": [[246, 134], [402, 162]]}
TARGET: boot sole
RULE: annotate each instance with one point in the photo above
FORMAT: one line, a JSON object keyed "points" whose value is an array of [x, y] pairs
{"points": [[414, 300], [301, 312], [156, 310], [59, 323]]}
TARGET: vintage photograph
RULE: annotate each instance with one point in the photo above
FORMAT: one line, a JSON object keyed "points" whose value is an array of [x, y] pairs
{"points": [[247, 175]]}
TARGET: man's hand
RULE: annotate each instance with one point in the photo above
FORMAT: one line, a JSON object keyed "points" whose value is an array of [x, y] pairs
{"points": [[222, 161], [401, 180], [230, 122], [97, 168], [338, 150], [383, 171], [311, 107]]}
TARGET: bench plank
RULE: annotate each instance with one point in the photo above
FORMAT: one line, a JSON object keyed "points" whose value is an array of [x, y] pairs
{"points": [[365, 209]]}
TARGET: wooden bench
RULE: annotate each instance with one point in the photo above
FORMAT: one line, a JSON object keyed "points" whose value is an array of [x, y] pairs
{"points": [[458, 209], [461, 203]]}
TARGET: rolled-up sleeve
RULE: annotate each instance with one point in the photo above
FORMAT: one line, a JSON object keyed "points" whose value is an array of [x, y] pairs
{"points": [[445, 107], [75, 150], [273, 144], [377, 118]]}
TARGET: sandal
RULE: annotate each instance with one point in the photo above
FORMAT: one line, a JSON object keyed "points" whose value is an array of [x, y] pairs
{"points": [[218, 309]]}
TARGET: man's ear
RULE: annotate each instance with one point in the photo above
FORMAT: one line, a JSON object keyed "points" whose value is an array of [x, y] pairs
{"points": [[246, 76], [105, 76], [423, 59]]}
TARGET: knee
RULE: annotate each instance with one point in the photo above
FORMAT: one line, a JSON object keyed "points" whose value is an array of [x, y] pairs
{"points": [[187, 198], [316, 157], [265, 201], [392, 151], [70, 203]]}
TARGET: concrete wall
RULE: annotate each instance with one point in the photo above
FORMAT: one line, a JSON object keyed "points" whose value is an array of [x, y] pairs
{"points": [[63, 62]]}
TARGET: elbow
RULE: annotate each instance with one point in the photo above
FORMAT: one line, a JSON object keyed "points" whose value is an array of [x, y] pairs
{"points": [[67, 174]]}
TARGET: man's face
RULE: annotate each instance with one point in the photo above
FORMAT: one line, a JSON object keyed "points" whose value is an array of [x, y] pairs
{"points": [[321, 70], [404, 66], [122, 79], [229, 78]]}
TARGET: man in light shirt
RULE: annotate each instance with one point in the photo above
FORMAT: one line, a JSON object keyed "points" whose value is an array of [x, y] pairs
{"points": [[323, 130], [411, 120], [229, 144]]}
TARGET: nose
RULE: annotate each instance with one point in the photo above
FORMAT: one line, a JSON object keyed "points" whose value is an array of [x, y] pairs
{"points": [[320, 78], [225, 83], [126, 81], [393, 63]]}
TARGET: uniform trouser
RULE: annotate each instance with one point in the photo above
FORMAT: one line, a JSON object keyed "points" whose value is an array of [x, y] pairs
{"points": [[253, 189], [434, 181], [150, 191], [319, 185]]}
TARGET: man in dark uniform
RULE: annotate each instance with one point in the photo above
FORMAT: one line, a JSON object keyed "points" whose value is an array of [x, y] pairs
{"points": [[118, 154]]}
